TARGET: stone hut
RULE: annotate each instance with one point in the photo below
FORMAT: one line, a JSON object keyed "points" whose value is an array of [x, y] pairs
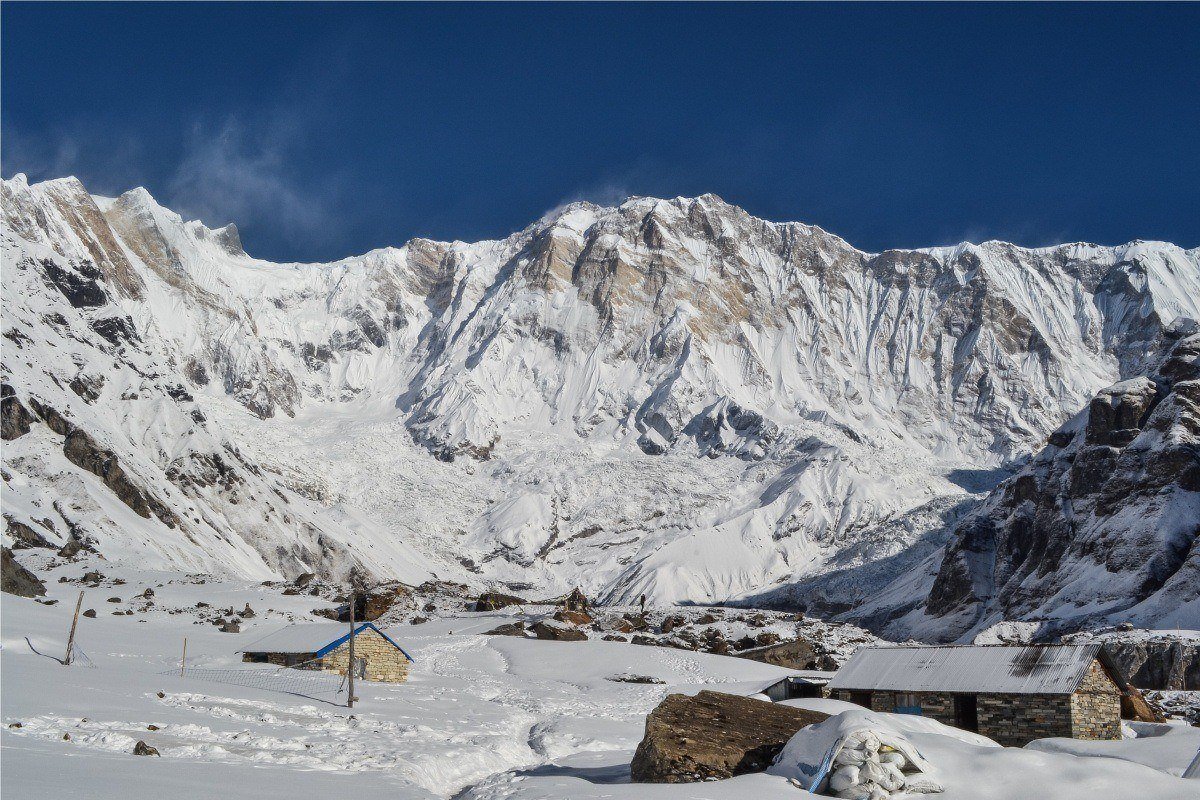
{"points": [[326, 646], [1010, 694]]}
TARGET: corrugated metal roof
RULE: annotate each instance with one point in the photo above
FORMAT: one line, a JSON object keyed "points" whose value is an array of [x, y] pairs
{"points": [[313, 637], [1030, 669]]}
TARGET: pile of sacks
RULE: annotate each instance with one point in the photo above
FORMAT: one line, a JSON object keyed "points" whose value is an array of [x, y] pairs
{"points": [[860, 755], [871, 765]]}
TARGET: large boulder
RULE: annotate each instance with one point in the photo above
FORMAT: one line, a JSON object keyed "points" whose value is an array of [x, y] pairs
{"points": [[714, 736], [493, 601], [558, 633], [15, 579], [794, 654]]}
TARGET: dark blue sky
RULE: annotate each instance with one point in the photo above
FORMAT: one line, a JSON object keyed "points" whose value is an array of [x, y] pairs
{"points": [[328, 130]]}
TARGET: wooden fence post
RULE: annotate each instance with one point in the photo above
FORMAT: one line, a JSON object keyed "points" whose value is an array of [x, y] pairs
{"points": [[71, 637]]}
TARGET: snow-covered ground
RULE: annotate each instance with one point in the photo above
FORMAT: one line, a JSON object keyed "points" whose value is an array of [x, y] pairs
{"points": [[482, 717]]}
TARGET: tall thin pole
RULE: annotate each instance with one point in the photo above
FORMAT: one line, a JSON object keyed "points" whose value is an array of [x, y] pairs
{"points": [[183, 661], [71, 637], [350, 671]]}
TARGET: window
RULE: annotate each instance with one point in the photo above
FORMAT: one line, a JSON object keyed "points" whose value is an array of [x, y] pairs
{"points": [[908, 703]]}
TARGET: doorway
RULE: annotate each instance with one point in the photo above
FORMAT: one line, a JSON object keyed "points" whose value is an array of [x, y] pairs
{"points": [[966, 712]]}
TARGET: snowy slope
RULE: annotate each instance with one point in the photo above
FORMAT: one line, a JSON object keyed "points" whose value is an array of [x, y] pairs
{"points": [[668, 397]]}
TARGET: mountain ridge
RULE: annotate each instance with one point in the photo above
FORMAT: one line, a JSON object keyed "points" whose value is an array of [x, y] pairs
{"points": [[729, 401]]}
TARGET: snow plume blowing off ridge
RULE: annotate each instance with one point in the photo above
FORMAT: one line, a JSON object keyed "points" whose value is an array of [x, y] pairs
{"points": [[664, 397]]}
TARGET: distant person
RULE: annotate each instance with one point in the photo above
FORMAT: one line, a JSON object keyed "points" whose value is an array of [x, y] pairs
{"points": [[642, 600]]}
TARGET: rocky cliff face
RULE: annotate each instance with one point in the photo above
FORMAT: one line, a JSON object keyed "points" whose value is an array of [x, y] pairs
{"points": [[1103, 523], [669, 397]]}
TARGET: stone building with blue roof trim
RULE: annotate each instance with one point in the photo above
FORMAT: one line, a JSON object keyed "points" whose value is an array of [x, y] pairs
{"points": [[326, 647]]}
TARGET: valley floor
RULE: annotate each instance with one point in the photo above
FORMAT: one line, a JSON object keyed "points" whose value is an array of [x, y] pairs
{"points": [[481, 718]]}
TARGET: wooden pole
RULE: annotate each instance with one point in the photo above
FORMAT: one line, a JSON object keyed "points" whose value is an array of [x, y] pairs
{"points": [[350, 671], [71, 637], [183, 661]]}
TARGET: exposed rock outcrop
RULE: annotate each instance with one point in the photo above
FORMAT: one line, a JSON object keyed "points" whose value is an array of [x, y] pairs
{"points": [[15, 579], [714, 736], [1106, 517]]}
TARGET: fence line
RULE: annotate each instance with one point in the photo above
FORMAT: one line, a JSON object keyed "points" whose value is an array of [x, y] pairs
{"points": [[290, 680]]}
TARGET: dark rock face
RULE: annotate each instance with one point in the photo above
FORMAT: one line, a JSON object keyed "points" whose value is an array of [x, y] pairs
{"points": [[557, 633], [511, 629], [80, 285], [796, 654], [116, 330], [493, 601], [83, 451], [1104, 516], [1163, 662], [15, 579], [25, 536], [15, 419], [714, 736]]}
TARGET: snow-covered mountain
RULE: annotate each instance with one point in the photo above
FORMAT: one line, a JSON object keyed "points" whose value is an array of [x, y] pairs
{"points": [[669, 397]]}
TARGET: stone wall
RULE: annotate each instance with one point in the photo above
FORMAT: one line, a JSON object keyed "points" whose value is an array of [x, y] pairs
{"points": [[384, 662], [1096, 706], [1014, 720]]}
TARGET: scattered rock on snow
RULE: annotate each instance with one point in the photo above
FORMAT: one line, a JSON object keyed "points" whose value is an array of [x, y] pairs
{"points": [[143, 749]]}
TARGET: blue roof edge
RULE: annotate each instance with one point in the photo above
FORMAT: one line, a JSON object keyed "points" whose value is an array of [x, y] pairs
{"points": [[339, 642]]}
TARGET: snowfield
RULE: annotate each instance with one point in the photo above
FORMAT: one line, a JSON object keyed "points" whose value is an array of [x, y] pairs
{"points": [[481, 717]]}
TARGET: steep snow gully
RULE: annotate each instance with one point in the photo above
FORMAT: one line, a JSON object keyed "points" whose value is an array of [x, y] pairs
{"points": [[669, 397]]}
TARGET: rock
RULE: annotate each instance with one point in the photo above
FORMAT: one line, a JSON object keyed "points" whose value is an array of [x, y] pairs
{"points": [[714, 736], [766, 638], [1160, 661], [745, 643], [248, 612], [15, 579], [291, 590], [418, 620], [628, 678], [15, 419], [231, 626], [16, 725], [83, 451], [154, 727], [114, 599], [613, 637], [1134, 707], [511, 629], [25, 536], [143, 749], [573, 617], [671, 623], [303, 580], [66, 737], [90, 613], [493, 601], [558, 633], [795, 654], [92, 576], [637, 622], [707, 619], [150, 593]]}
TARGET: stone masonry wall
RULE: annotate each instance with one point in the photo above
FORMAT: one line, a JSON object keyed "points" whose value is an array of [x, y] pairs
{"points": [[384, 662], [1096, 706], [1014, 720]]}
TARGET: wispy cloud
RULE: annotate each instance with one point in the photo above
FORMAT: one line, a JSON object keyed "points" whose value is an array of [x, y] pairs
{"points": [[229, 173]]}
